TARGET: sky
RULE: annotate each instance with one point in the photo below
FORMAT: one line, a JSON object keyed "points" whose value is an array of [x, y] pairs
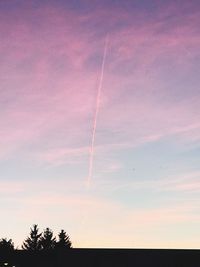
{"points": [[141, 59]]}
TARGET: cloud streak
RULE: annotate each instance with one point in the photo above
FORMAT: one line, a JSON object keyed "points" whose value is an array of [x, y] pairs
{"points": [[49, 75]]}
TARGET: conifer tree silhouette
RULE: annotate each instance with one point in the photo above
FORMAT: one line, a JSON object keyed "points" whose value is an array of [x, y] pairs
{"points": [[47, 240], [7, 251], [33, 243], [6, 245], [63, 240]]}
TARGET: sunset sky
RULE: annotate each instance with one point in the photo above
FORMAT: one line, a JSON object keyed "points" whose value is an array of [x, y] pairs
{"points": [[144, 190]]}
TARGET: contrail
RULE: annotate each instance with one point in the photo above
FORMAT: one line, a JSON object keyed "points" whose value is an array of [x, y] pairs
{"points": [[91, 159]]}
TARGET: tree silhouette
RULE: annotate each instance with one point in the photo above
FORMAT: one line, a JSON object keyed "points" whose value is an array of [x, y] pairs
{"points": [[6, 245], [47, 240], [63, 240], [33, 243]]}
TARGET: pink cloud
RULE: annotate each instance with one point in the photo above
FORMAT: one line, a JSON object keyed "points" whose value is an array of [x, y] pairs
{"points": [[63, 155], [51, 60], [49, 97], [12, 187], [93, 212], [180, 183], [189, 182]]}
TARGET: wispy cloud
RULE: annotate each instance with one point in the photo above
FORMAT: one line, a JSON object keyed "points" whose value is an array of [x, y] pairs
{"points": [[183, 183], [10, 188], [50, 65], [93, 212], [58, 86]]}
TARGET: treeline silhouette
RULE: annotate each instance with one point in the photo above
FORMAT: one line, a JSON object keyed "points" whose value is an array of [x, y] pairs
{"points": [[38, 249], [43, 249], [39, 241]]}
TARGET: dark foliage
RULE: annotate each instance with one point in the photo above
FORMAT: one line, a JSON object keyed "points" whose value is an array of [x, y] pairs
{"points": [[33, 242], [6, 246], [48, 241], [63, 241]]}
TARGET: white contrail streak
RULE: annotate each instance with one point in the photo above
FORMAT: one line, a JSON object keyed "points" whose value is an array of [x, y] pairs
{"points": [[91, 159]]}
